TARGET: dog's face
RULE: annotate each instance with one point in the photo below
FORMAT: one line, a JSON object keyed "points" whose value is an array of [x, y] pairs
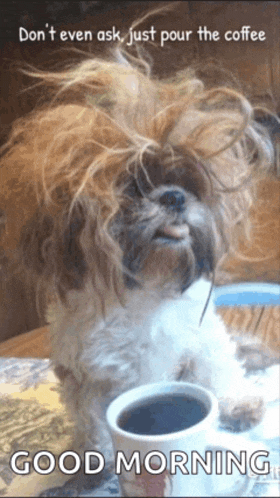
{"points": [[166, 232], [166, 229]]}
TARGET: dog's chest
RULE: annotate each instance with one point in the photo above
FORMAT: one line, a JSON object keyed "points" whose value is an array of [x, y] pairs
{"points": [[142, 342]]}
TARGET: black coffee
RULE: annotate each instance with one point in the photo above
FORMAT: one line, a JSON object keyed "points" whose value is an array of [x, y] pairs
{"points": [[163, 415]]}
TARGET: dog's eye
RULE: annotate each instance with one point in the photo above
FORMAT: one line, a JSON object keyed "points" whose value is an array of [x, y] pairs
{"points": [[145, 183], [133, 190], [140, 186]]}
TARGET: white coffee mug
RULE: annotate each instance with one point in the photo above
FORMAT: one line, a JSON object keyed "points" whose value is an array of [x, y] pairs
{"points": [[193, 461]]}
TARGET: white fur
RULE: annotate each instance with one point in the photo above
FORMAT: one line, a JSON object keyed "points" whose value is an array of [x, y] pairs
{"points": [[147, 341]]}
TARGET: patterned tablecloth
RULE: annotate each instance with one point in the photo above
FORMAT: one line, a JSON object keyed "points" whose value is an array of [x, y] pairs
{"points": [[33, 419]]}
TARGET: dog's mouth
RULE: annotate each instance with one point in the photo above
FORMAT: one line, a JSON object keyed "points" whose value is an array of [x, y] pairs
{"points": [[174, 233]]}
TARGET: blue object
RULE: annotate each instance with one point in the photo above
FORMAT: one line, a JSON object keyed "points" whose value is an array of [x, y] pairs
{"points": [[247, 294]]}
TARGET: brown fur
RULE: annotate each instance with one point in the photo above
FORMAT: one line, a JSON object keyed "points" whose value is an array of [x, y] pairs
{"points": [[72, 159]]}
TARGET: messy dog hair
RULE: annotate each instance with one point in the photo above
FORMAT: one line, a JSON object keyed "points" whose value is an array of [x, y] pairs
{"points": [[66, 165]]}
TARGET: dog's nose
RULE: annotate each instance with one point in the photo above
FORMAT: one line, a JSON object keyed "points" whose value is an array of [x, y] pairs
{"points": [[174, 199]]}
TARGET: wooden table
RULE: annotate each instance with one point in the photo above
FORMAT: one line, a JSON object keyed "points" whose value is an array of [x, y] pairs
{"points": [[35, 344], [257, 321]]}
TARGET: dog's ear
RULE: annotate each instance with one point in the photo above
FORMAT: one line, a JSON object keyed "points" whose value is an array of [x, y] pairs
{"points": [[74, 263], [50, 247], [34, 235]]}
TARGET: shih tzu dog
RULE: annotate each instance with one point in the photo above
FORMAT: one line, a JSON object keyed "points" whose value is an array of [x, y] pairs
{"points": [[128, 191]]}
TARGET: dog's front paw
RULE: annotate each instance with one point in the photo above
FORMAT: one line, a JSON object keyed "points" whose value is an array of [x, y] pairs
{"points": [[241, 415]]}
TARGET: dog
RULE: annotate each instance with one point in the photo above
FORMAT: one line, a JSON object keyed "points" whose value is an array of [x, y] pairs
{"points": [[128, 191]]}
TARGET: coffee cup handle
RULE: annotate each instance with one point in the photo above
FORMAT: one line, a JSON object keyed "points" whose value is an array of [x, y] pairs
{"points": [[233, 443]]}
